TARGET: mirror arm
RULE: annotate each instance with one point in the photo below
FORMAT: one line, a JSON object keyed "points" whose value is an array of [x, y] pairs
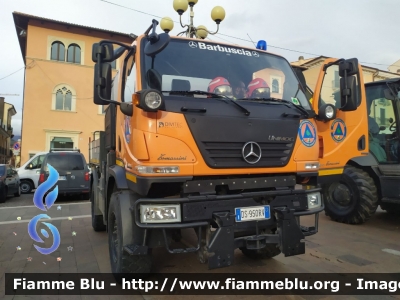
{"points": [[332, 63], [153, 37]]}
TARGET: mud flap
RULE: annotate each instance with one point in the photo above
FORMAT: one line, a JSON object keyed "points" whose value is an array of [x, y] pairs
{"points": [[222, 241], [290, 233]]}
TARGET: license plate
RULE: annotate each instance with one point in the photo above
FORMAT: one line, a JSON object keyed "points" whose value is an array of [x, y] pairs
{"points": [[253, 213], [62, 178]]}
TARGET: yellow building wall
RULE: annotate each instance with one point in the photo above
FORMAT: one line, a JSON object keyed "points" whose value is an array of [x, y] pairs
{"points": [[41, 122]]}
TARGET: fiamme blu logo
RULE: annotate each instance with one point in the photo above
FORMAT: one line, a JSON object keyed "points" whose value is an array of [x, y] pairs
{"points": [[49, 200]]}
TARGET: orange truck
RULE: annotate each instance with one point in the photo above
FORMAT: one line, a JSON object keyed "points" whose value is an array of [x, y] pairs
{"points": [[178, 152], [353, 193]]}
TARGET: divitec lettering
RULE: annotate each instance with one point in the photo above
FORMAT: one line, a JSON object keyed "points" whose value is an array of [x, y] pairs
{"points": [[38, 201], [169, 125], [204, 46]]}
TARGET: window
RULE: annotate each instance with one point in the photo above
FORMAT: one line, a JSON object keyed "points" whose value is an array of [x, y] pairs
{"points": [[57, 51], [36, 163], [61, 143], [336, 80], [74, 54], [2, 170], [275, 86], [114, 64], [66, 162], [63, 99]]}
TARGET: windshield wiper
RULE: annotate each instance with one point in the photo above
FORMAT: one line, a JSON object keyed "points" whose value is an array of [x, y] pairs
{"points": [[198, 92], [287, 103]]}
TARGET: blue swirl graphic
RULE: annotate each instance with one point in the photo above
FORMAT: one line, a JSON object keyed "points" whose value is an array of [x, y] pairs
{"points": [[44, 187], [38, 201], [33, 234]]}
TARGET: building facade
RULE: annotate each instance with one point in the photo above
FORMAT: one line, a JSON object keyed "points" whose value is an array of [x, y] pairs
{"points": [[7, 110], [58, 108]]}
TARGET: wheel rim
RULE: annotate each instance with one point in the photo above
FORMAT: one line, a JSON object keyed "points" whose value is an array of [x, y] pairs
{"points": [[340, 198], [25, 187], [114, 239]]}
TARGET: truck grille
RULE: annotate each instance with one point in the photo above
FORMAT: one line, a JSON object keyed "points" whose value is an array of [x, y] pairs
{"points": [[229, 154]]}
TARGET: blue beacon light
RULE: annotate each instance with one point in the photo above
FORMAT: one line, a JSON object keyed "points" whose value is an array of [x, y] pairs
{"points": [[262, 45]]}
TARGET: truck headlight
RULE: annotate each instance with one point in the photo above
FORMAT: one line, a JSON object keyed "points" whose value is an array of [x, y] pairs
{"points": [[154, 213], [314, 200], [157, 170], [151, 100]]}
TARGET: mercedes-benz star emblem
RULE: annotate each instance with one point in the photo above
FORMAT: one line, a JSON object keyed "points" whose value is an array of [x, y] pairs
{"points": [[192, 44], [255, 54], [251, 152]]}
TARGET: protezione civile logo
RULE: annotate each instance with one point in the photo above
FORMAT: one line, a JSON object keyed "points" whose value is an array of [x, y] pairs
{"points": [[38, 201]]}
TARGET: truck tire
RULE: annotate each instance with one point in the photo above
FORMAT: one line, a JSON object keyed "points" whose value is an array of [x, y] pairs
{"points": [[26, 187], [121, 262], [97, 221], [391, 208], [352, 200], [269, 251]]}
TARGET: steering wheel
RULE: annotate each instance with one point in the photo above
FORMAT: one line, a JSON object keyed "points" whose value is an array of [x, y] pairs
{"points": [[393, 127]]}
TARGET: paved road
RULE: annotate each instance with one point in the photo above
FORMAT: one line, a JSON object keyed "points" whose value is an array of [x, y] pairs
{"points": [[337, 248]]}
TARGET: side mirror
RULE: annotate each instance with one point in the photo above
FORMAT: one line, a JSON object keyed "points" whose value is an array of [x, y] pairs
{"points": [[157, 42], [348, 67], [105, 50], [126, 109], [102, 84], [349, 94]]}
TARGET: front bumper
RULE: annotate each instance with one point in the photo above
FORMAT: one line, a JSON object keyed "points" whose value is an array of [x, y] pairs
{"points": [[199, 212]]}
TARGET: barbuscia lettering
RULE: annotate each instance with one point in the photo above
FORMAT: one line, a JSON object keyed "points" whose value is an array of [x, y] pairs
{"points": [[224, 49]]}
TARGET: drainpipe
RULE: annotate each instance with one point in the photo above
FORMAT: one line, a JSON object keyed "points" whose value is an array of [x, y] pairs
{"points": [[375, 74]]}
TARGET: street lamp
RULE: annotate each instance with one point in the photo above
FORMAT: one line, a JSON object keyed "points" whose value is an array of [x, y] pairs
{"points": [[201, 32]]}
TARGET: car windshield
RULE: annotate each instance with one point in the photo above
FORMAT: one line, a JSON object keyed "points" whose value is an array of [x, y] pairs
{"points": [[64, 162], [2, 170], [236, 72]]}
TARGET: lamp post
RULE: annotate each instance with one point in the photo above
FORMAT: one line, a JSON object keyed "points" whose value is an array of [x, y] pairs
{"points": [[201, 32]]}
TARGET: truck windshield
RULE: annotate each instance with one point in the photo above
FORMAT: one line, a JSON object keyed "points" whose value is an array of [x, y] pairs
{"points": [[197, 65]]}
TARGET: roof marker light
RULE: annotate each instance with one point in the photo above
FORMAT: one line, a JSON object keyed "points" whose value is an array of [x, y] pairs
{"points": [[262, 45]]}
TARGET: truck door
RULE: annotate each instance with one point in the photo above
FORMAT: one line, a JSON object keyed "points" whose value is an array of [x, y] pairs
{"points": [[346, 136]]}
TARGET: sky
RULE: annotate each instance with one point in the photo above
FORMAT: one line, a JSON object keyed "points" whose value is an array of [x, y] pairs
{"points": [[365, 29]]}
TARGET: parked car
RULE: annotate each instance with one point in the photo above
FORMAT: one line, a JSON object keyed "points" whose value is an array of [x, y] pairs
{"points": [[29, 172], [74, 177], [9, 182]]}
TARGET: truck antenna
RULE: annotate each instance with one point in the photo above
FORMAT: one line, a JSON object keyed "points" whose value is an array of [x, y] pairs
{"points": [[251, 40]]}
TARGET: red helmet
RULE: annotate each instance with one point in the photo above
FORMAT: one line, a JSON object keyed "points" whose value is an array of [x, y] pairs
{"points": [[258, 88], [220, 85]]}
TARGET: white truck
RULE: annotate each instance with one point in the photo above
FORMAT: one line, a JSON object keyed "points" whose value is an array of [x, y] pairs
{"points": [[29, 172]]}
